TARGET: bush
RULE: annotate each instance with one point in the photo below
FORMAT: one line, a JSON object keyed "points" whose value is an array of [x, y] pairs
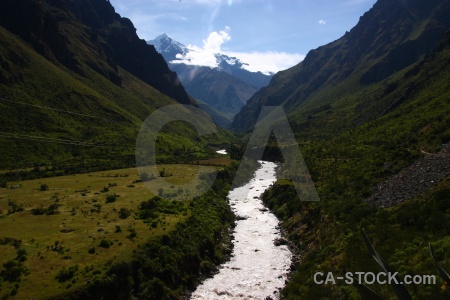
{"points": [[132, 232], [91, 250], [105, 243], [15, 207], [38, 211], [110, 198], [51, 210], [13, 270], [66, 274], [207, 267], [43, 187], [164, 173], [145, 177], [124, 213]]}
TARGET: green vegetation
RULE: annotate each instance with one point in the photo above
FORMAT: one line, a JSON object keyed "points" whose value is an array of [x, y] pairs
{"points": [[111, 198], [66, 274], [442, 272], [170, 265], [68, 117], [327, 236], [69, 224], [346, 161], [361, 115], [63, 237], [43, 187]]}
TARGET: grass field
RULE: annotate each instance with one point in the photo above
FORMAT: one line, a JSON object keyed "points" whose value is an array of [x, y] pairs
{"points": [[58, 226]]}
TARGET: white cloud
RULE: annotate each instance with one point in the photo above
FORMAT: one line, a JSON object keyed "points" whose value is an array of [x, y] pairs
{"points": [[215, 40], [265, 62], [269, 61], [322, 22], [205, 56]]}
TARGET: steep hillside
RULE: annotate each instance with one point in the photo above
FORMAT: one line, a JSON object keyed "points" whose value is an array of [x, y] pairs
{"points": [[218, 89], [218, 117], [390, 37], [88, 33], [76, 83], [378, 154]]}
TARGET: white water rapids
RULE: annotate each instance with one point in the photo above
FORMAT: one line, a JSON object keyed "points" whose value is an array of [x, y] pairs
{"points": [[257, 268]]}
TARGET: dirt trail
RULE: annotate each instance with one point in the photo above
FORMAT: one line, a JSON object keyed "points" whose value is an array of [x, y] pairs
{"points": [[413, 180]]}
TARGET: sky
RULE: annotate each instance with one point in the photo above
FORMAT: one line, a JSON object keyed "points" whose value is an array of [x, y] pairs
{"points": [[268, 35]]}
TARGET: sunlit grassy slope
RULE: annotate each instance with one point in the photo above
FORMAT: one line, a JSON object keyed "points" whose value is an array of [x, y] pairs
{"points": [[83, 218]]}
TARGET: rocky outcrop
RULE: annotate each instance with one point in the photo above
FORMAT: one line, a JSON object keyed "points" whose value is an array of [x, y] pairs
{"points": [[414, 180]]}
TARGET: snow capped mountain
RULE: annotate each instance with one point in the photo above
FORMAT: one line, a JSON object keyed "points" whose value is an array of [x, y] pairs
{"points": [[224, 60], [221, 87], [173, 50], [168, 47]]}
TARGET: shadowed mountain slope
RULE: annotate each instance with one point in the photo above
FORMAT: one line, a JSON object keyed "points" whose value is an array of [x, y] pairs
{"points": [[390, 37], [76, 83]]}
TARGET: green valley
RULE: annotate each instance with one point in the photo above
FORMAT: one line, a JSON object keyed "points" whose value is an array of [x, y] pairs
{"points": [[370, 112]]}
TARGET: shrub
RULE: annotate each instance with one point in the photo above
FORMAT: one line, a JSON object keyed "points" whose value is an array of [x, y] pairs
{"points": [[38, 211], [15, 207], [146, 177], [43, 187], [66, 274], [124, 213], [207, 267], [110, 198], [51, 210], [13, 270], [132, 232], [105, 243]]}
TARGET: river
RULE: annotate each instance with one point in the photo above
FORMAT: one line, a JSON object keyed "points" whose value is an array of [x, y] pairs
{"points": [[257, 268]]}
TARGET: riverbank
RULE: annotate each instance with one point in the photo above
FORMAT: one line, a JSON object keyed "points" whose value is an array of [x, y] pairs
{"points": [[258, 268]]}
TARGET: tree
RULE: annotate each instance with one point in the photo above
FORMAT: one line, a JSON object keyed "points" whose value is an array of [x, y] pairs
{"points": [[124, 213], [110, 198]]}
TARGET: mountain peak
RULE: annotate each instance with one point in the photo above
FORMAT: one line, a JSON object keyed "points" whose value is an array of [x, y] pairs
{"points": [[171, 50], [168, 47], [164, 37]]}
